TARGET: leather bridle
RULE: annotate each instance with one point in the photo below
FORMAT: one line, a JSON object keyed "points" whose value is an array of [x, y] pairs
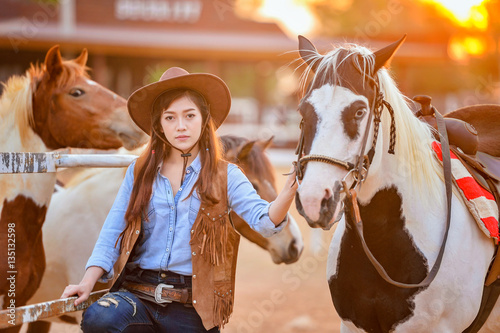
{"points": [[359, 171]]}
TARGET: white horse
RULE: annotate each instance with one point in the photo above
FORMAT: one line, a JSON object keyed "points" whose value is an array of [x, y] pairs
{"points": [[78, 210], [401, 202], [54, 105]]}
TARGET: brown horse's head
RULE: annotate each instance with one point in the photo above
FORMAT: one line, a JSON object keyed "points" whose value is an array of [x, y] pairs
{"points": [[70, 110], [250, 156]]}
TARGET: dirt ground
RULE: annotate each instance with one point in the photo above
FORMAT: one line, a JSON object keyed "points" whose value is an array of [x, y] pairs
{"points": [[277, 298]]}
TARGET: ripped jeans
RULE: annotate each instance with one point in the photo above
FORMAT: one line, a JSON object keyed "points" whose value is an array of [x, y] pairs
{"points": [[123, 312]]}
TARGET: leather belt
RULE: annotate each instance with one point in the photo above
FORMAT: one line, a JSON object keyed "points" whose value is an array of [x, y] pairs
{"points": [[162, 293]]}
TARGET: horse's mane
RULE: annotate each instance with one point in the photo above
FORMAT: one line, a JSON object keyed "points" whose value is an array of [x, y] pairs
{"points": [[413, 137], [17, 96], [17, 99], [257, 160]]}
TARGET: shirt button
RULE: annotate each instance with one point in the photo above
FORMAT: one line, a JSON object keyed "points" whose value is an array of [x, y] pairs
{"points": [[172, 207], [170, 229], [180, 188], [168, 249], [188, 171]]}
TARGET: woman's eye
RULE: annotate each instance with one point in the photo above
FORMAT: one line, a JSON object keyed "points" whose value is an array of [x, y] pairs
{"points": [[169, 118], [76, 92], [191, 115], [360, 113]]}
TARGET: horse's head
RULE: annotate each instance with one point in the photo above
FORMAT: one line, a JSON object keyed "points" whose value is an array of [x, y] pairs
{"points": [[250, 156], [337, 111], [71, 110]]}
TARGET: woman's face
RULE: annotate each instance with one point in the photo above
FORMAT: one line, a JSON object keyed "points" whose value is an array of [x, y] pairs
{"points": [[181, 123]]}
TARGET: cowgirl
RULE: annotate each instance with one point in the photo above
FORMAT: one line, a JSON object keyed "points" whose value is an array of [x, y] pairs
{"points": [[168, 245]]}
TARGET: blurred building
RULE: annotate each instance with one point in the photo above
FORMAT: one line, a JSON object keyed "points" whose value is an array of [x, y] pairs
{"points": [[131, 43]]}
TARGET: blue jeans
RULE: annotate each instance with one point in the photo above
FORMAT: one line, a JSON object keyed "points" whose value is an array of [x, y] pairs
{"points": [[123, 312]]}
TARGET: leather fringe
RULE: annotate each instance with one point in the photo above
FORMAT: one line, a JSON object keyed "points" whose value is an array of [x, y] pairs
{"points": [[213, 235], [223, 307]]}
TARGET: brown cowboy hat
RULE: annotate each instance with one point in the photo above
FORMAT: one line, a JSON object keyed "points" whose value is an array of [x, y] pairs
{"points": [[216, 93]]}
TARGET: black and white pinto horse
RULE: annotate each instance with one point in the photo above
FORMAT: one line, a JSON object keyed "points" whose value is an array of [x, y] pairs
{"points": [[401, 201]]}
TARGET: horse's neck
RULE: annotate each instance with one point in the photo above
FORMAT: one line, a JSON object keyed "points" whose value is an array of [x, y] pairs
{"points": [[16, 132], [38, 187], [419, 213]]}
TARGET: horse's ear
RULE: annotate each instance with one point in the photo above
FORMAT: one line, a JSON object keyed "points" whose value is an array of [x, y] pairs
{"points": [[308, 52], [245, 150], [384, 56], [265, 144], [82, 58], [53, 61]]}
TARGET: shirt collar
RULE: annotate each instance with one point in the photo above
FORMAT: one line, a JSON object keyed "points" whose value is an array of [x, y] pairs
{"points": [[195, 166]]}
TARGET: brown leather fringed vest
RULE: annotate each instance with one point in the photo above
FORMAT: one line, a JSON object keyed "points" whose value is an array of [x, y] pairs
{"points": [[214, 251]]}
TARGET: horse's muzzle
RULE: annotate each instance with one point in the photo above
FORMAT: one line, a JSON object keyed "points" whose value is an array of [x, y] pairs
{"points": [[327, 211]]}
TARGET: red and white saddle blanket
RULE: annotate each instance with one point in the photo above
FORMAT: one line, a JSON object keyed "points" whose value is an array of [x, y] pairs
{"points": [[480, 202]]}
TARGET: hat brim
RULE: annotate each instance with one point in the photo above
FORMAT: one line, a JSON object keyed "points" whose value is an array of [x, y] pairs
{"points": [[216, 93]]}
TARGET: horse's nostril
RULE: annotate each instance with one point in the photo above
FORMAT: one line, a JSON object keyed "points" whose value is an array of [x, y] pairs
{"points": [[328, 193], [292, 249]]}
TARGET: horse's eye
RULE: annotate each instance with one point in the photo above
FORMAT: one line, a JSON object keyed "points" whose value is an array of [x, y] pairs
{"points": [[360, 113], [76, 92]]}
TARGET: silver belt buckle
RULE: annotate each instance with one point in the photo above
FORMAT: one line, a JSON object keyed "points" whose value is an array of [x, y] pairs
{"points": [[158, 291]]}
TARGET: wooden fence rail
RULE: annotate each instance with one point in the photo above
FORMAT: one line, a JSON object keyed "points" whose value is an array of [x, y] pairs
{"points": [[49, 162], [30, 313]]}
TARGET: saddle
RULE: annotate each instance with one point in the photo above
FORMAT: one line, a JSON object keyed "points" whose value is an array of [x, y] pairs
{"points": [[472, 139]]}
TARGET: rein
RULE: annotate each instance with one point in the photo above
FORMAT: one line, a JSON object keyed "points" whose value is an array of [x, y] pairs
{"points": [[360, 172]]}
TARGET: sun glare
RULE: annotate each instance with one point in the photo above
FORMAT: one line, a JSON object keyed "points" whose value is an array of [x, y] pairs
{"points": [[292, 15], [467, 13], [460, 48]]}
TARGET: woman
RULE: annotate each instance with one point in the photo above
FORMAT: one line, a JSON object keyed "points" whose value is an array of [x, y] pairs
{"points": [[168, 245]]}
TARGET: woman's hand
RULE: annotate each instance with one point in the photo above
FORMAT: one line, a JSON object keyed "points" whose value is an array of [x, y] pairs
{"points": [[82, 290], [279, 208], [291, 181]]}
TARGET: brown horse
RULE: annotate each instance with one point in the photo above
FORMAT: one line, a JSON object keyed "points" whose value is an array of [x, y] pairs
{"points": [[251, 157], [69, 217], [54, 105]]}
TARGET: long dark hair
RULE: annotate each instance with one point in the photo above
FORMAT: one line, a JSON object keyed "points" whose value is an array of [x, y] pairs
{"points": [[147, 164]]}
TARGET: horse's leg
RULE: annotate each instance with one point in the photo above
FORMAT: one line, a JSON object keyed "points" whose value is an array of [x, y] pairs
{"points": [[39, 327]]}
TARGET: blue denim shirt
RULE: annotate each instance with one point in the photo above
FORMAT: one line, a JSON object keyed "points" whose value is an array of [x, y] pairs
{"points": [[164, 240]]}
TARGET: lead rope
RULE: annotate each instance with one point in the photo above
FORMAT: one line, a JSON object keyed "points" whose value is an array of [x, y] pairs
{"points": [[356, 222]]}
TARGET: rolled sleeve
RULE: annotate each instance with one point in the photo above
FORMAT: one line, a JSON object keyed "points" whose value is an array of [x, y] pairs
{"points": [[105, 253], [245, 202]]}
